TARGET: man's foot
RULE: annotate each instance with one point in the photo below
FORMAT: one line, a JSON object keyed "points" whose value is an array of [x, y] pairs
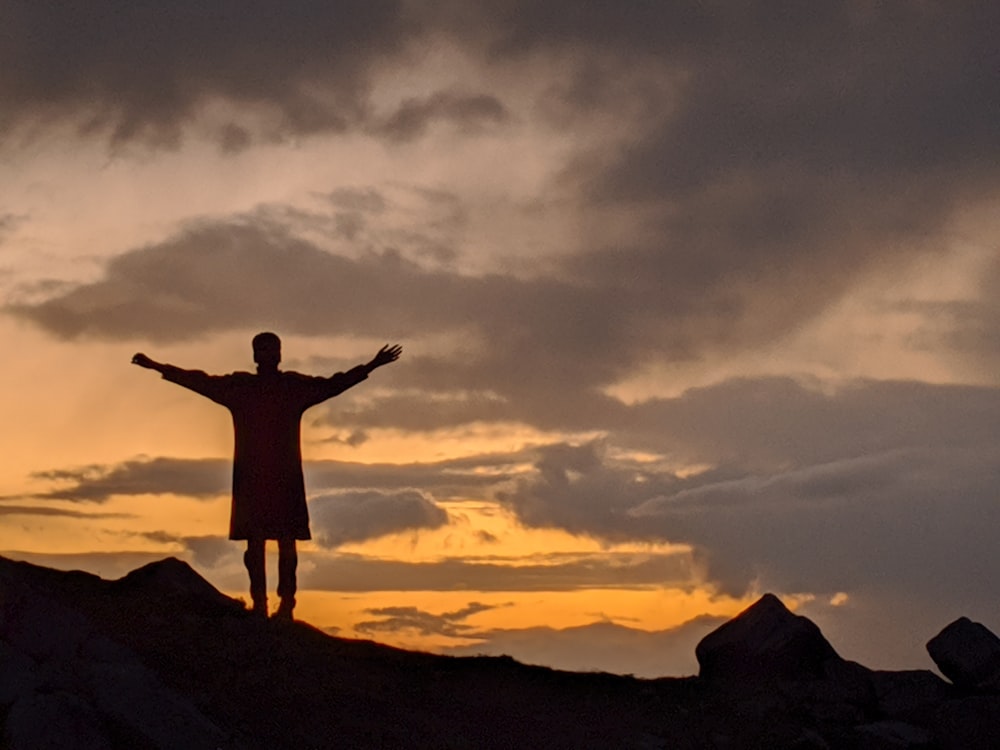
{"points": [[259, 609], [284, 611]]}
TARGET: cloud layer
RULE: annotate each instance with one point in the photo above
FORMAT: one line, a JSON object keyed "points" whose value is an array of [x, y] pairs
{"points": [[808, 490], [357, 516]]}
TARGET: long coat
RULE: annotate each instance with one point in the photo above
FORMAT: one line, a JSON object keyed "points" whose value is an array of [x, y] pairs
{"points": [[269, 499]]}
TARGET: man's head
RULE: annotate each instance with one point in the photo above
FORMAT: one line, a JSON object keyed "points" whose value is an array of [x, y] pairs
{"points": [[266, 349]]}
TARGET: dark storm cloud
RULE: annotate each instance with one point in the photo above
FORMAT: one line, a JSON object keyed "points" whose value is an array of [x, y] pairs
{"points": [[451, 478], [470, 112], [770, 423], [416, 620], [916, 520], [580, 489], [31, 510], [871, 89], [140, 70], [217, 277], [209, 478], [360, 515], [778, 151], [540, 343], [774, 154], [344, 572], [224, 276], [880, 486], [198, 478], [599, 646]]}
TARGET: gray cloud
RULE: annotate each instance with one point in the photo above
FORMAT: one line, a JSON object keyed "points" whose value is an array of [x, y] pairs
{"points": [[216, 277], [210, 477], [541, 348], [136, 74], [416, 620], [141, 72], [580, 489], [359, 515], [344, 572], [33, 510], [911, 520], [796, 151], [872, 90], [469, 112], [198, 478], [878, 487], [969, 328], [255, 273], [894, 477], [599, 646], [792, 151], [809, 490], [786, 152], [767, 423], [219, 561], [460, 477]]}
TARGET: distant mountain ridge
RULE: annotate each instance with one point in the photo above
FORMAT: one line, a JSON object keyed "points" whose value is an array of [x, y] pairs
{"points": [[162, 659]]}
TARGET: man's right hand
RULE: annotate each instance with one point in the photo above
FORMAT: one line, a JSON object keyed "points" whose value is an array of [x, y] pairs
{"points": [[143, 361], [384, 356]]}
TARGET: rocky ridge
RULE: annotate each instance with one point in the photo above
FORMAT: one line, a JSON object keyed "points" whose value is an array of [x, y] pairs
{"points": [[161, 659]]}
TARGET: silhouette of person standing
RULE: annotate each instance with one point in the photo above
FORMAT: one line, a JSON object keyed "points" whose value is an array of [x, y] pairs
{"points": [[269, 500]]}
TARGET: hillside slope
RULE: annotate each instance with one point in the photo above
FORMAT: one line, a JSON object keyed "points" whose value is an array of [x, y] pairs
{"points": [[161, 659]]}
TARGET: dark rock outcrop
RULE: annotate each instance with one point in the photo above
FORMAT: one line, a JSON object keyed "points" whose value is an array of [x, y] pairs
{"points": [[65, 684], [161, 659], [968, 654], [765, 641]]}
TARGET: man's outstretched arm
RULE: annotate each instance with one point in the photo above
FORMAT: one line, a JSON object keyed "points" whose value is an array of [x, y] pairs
{"points": [[341, 381], [210, 386]]}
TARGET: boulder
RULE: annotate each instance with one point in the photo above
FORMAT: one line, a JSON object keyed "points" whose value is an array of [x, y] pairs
{"points": [[765, 642], [968, 654]]}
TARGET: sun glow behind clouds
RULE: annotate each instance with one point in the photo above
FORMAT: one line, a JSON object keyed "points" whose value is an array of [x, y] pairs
{"points": [[488, 535], [646, 610]]}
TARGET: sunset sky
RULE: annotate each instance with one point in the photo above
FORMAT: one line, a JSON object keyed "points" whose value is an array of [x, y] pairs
{"points": [[697, 301]]}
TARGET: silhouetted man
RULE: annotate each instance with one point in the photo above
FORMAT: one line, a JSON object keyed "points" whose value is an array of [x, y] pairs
{"points": [[269, 499]]}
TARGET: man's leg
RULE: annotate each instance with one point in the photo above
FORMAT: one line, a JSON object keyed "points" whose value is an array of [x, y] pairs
{"points": [[253, 558], [288, 560]]}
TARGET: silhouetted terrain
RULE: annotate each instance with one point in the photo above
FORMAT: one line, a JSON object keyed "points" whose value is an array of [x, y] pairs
{"points": [[161, 659]]}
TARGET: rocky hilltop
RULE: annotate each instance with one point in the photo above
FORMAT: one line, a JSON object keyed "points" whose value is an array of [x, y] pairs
{"points": [[161, 659]]}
